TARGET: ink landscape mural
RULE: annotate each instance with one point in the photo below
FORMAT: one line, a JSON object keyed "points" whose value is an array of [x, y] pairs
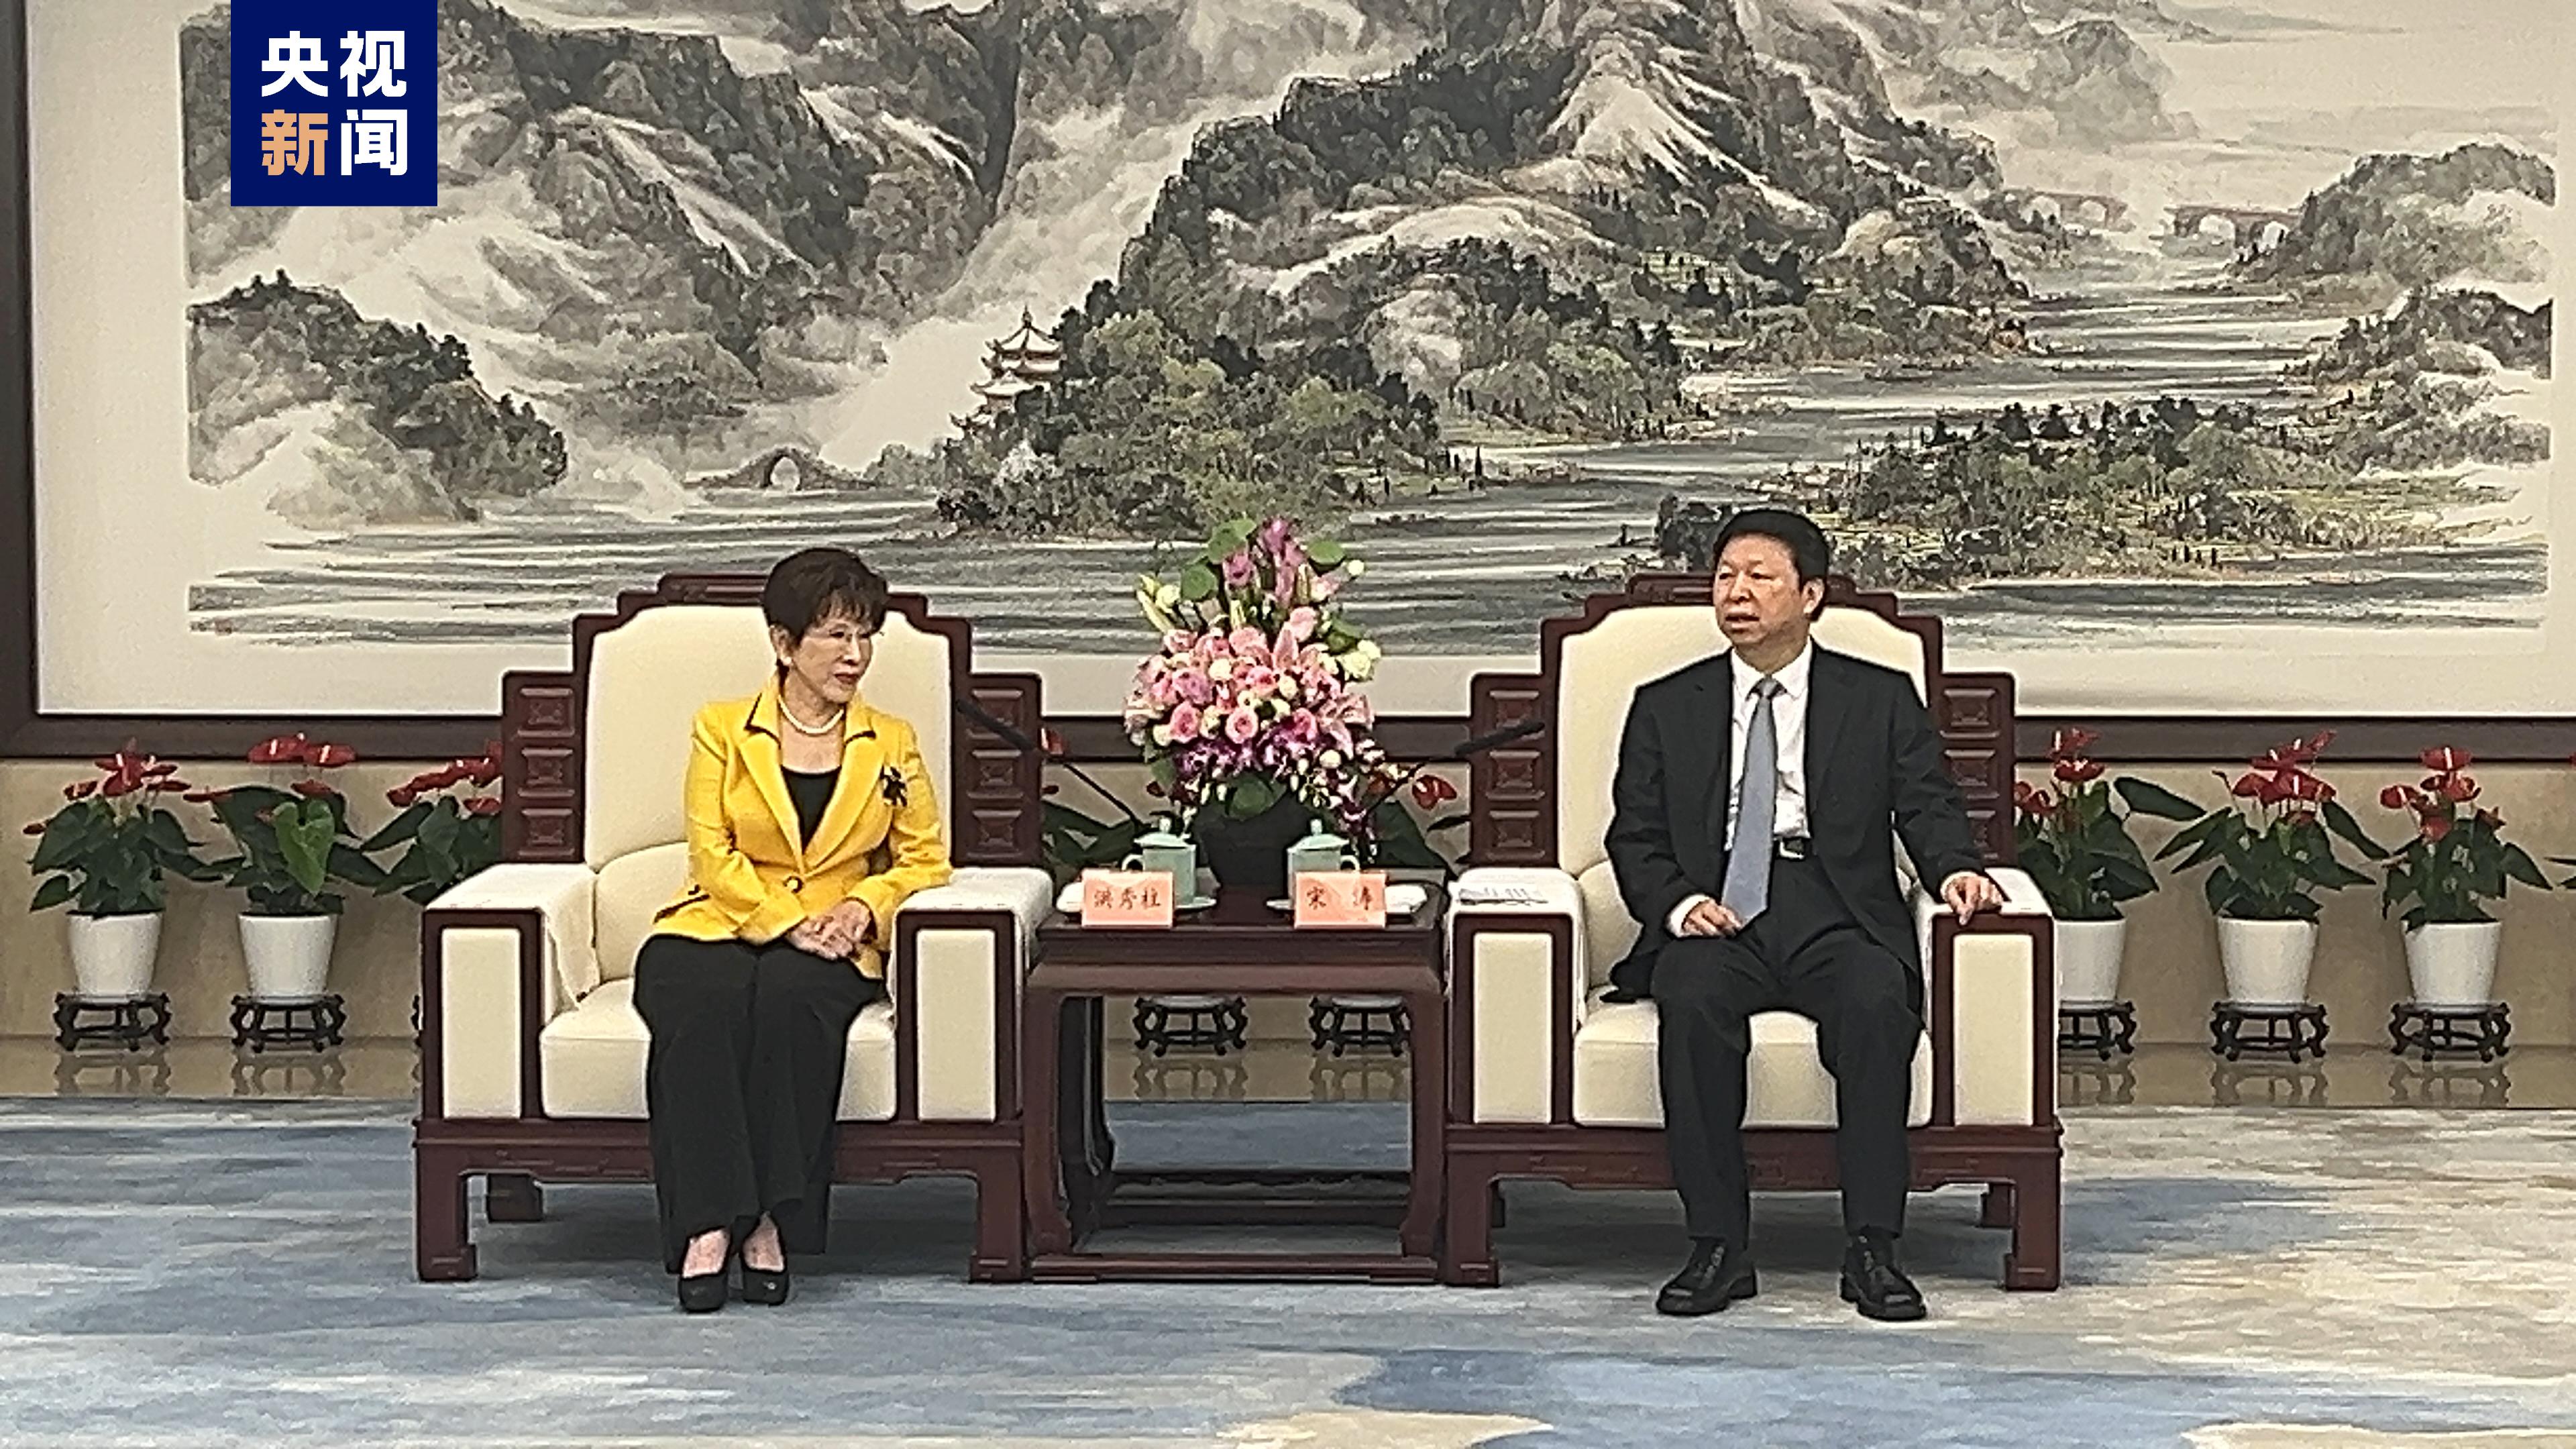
{"points": [[2067, 316]]}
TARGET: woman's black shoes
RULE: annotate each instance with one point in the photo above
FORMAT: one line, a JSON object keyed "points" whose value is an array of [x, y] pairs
{"points": [[765, 1288], [702, 1292], [706, 1292]]}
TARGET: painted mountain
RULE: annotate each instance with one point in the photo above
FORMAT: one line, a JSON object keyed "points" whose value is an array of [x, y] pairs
{"points": [[675, 235], [667, 245]]}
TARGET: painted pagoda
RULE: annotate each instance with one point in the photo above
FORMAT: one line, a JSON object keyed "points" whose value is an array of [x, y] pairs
{"points": [[1022, 362]]}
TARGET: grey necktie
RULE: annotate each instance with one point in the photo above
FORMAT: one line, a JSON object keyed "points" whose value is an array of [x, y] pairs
{"points": [[1748, 864]]}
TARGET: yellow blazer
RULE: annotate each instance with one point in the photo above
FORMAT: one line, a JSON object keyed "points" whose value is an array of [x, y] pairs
{"points": [[751, 879]]}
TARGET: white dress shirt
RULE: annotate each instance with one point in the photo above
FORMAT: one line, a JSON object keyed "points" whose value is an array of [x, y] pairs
{"points": [[1788, 732]]}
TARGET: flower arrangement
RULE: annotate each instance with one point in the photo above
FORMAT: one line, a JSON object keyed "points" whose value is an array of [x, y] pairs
{"points": [[2075, 841], [1251, 700], [292, 839], [2458, 855], [2269, 848], [448, 828], [110, 848]]}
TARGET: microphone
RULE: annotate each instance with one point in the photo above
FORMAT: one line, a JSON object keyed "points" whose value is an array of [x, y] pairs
{"points": [[1478, 744], [1011, 734], [1471, 746]]}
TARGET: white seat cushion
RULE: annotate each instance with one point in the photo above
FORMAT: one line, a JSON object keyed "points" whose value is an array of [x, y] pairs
{"points": [[593, 1057], [1616, 1083]]}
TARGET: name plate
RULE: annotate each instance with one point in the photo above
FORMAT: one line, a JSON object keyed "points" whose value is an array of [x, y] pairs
{"points": [[1131, 898], [1344, 898]]}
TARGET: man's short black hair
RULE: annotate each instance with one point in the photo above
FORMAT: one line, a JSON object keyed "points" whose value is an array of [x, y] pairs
{"points": [[1809, 549], [814, 584]]}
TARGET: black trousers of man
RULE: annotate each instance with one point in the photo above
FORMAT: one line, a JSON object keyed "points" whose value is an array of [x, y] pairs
{"points": [[1805, 954], [742, 1083]]}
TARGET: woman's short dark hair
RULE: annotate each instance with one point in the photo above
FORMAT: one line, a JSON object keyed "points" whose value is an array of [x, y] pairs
{"points": [[814, 584], [1809, 550]]}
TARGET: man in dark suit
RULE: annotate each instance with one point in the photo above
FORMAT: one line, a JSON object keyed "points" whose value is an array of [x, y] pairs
{"points": [[1754, 811]]}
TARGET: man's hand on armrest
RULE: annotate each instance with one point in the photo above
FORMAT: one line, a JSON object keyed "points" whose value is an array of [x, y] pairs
{"points": [[1967, 892]]}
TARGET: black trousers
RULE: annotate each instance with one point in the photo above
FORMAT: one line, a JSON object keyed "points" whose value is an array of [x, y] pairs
{"points": [[1805, 954], [743, 1084]]}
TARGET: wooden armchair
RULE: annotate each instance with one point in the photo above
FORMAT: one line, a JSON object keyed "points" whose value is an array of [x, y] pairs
{"points": [[532, 1051], [1550, 1081]]}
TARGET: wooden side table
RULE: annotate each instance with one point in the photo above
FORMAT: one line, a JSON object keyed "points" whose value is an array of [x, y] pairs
{"points": [[1239, 947]]}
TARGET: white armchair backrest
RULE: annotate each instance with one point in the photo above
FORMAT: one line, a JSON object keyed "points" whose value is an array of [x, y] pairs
{"points": [[650, 675], [1599, 670]]}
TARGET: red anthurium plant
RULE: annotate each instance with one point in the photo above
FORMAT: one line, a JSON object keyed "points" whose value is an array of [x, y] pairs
{"points": [[2458, 856], [2074, 839], [449, 828], [1403, 840], [111, 847], [293, 838], [2271, 847]]}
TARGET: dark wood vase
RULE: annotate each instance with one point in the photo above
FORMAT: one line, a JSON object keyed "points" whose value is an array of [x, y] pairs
{"points": [[1250, 855]]}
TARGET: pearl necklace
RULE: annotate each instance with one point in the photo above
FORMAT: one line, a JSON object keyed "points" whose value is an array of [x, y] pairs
{"points": [[828, 726]]}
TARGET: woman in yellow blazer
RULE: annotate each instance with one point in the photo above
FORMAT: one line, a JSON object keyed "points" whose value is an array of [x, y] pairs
{"points": [[811, 818]]}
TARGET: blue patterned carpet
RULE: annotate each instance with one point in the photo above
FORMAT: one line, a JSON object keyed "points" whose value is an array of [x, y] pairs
{"points": [[175, 1274]]}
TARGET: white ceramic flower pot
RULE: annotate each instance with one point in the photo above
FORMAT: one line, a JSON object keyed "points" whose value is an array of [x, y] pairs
{"points": [[289, 957], [2088, 961], [2451, 964], [2267, 961], [112, 956]]}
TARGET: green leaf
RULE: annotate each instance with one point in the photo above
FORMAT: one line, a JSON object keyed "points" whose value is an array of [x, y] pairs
{"points": [[65, 841], [304, 831], [56, 890], [1229, 537], [1326, 553], [2196, 834], [2208, 850], [2219, 889], [439, 829], [2148, 798], [2340, 821], [2519, 865], [348, 865], [399, 829], [1198, 583], [2123, 881], [1252, 795]]}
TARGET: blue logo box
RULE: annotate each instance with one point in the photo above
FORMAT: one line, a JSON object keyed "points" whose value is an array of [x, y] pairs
{"points": [[335, 102]]}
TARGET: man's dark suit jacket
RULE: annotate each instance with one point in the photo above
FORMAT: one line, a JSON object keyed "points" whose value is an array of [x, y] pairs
{"points": [[1873, 760]]}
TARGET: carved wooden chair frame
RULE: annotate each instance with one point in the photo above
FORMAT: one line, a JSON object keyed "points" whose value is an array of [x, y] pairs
{"points": [[1512, 800], [995, 821]]}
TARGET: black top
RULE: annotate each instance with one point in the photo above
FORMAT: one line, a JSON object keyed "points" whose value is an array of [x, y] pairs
{"points": [[812, 792]]}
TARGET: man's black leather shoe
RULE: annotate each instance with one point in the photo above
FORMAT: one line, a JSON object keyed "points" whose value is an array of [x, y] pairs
{"points": [[1875, 1285], [1708, 1282]]}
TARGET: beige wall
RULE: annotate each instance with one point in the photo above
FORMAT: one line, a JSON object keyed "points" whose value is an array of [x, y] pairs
{"points": [[2172, 971]]}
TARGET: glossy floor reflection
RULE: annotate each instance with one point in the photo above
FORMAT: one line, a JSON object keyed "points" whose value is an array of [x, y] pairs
{"points": [[2157, 1075], [2347, 1076], [369, 1068]]}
